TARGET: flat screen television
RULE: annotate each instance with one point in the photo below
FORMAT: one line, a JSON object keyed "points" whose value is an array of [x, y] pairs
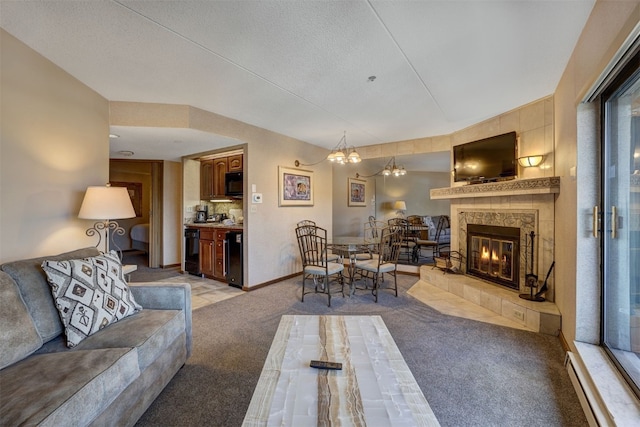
{"points": [[486, 160]]}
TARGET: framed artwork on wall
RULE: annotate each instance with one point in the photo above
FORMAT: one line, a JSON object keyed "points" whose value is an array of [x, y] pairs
{"points": [[357, 192], [135, 193], [295, 187]]}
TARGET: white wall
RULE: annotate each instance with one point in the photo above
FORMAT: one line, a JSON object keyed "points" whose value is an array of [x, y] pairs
{"points": [[54, 143]]}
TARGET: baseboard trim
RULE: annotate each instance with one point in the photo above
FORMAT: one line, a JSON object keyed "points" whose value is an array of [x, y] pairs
{"points": [[270, 282]]}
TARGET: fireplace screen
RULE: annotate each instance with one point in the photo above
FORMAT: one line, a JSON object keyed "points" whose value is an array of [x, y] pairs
{"points": [[493, 254]]}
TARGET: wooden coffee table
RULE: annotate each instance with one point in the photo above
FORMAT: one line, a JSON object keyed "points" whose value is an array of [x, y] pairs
{"points": [[375, 386]]}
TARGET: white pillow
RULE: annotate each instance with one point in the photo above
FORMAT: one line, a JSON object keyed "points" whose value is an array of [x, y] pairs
{"points": [[89, 293]]}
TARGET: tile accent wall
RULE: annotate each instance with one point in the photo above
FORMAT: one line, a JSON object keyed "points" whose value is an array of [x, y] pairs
{"points": [[528, 212]]}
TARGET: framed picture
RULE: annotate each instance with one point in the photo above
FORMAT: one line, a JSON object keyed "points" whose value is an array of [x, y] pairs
{"points": [[357, 192], [135, 193], [295, 187]]}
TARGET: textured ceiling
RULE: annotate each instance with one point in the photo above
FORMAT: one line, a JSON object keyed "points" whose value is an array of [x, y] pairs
{"points": [[302, 68]]}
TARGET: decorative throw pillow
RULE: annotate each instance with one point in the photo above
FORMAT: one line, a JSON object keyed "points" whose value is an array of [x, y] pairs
{"points": [[90, 293]]}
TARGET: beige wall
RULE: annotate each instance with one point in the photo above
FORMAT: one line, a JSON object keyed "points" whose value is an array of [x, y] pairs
{"points": [[413, 189], [578, 294], [271, 250], [54, 143], [171, 214]]}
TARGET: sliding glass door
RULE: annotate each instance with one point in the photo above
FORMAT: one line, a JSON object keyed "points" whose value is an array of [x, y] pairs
{"points": [[620, 223]]}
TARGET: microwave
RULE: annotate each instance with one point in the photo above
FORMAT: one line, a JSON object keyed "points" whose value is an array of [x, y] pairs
{"points": [[233, 184]]}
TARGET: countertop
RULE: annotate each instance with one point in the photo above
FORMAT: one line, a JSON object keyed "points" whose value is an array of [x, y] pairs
{"points": [[213, 225]]}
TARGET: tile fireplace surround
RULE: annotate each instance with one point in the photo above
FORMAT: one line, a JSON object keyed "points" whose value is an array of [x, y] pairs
{"points": [[527, 204]]}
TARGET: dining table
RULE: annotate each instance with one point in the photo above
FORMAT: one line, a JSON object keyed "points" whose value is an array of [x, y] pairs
{"points": [[349, 247]]}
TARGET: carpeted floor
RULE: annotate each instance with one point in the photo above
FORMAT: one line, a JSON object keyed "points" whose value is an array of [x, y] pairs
{"points": [[471, 373]]}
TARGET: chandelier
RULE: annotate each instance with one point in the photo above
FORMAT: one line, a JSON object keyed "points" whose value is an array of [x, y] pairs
{"points": [[390, 169], [340, 154]]}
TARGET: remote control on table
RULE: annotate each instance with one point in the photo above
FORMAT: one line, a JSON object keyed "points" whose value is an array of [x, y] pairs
{"points": [[323, 364]]}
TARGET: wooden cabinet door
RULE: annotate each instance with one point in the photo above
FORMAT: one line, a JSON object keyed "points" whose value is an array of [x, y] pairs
{"points": [[206, 257], [234, 163], [219, 170], [218, 266], [206, 179]]}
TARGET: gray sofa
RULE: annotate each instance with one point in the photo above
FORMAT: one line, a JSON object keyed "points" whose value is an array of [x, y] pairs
{"points": [[109, 378]]}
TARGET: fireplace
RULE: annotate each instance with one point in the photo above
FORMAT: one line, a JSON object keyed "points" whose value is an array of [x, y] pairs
{"points": [[493, 254]]}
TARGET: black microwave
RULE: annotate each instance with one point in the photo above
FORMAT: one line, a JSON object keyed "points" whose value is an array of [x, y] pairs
{"points": [[233, 185]]}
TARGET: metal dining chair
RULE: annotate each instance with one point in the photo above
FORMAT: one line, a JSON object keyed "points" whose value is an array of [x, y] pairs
{"points": [[388, 250], [312, 226], [408, 242], [312, 242]]}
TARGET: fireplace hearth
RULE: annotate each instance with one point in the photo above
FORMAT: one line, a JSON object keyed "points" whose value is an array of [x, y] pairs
{"points": [[493, 254]]}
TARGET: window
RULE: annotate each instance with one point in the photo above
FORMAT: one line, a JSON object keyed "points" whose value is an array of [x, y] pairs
{"points": [[620, 221]]}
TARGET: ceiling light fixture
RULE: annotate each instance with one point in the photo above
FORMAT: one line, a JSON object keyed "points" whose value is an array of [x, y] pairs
{"points": [[389, 169], [341, 154], [530, 161], [113, 136], [126, 153]]}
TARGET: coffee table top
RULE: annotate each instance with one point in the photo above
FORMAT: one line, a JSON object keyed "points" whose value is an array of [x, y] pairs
{"points": [[374, 387]]}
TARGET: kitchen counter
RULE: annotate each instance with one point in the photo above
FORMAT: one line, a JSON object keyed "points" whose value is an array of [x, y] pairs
{"points": [[213, 225]]}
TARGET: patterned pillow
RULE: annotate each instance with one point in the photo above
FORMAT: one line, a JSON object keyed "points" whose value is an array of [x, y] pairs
{"points": [[90, 293]]}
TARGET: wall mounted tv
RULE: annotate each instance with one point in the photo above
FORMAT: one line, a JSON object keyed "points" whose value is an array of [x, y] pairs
{"points": [[485, 160]]}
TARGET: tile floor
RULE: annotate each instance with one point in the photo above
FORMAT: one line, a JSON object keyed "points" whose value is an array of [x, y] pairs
{"points": [[453, 305], [205, 291]]}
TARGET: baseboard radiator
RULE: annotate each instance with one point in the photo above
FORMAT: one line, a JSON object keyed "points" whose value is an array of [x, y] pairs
{"points": [[584, 390]]}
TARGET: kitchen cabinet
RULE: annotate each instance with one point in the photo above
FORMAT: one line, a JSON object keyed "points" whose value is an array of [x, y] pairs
{"points": [[206, 179], [219, 171], [218, 267], [212, 174], [234, 163], [207, 252], [212, 252]]}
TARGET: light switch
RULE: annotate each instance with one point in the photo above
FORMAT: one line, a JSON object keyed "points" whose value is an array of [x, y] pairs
{"points": [[253, 188]]}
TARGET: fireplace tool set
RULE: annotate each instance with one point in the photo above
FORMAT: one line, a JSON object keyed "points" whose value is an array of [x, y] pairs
{"points": [[531, 279]]}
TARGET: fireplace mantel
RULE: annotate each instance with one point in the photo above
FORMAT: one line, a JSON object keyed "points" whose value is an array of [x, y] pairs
{"points": [[516, 187]]}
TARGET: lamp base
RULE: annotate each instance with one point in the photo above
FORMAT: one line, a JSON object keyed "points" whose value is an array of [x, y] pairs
{"points": [[104, 226]]}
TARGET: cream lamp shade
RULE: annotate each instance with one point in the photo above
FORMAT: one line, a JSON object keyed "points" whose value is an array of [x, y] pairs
{"points": [[106, 203], [400, 205]]}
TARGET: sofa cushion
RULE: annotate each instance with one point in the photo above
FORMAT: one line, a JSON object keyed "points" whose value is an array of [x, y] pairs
{"points": [[150, 331], [90, 294], [70, 388], [36, 292], [18, 335]]}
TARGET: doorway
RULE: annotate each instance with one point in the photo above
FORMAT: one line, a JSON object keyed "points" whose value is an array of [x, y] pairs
{"points": [[143, 234], [620, 222]]}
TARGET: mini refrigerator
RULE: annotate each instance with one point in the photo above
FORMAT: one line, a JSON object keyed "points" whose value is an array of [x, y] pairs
{"points": [[233, 258]]}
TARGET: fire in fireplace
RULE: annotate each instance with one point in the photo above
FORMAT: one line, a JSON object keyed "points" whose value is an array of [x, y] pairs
{"points": [[493, 254]]}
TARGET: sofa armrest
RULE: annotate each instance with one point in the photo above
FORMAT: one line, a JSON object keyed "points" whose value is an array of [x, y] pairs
{"points": [[165, 296]]}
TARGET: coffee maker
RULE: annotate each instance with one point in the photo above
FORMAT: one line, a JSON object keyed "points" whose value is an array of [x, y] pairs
{"points": [[202, 213]]}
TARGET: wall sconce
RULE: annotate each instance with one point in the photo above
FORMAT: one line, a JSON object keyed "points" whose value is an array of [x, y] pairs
{"points": [[400, 206], [389, 169], [530, 161], [338, 154], [106, 204]]}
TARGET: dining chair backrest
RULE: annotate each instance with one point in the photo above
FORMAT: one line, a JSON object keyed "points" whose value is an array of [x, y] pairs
{"points": [[372, 229], [306, 222], [390, 245], [312, 242], [415, 220]]}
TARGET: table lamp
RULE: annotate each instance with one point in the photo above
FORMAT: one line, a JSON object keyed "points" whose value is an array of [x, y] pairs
{"points": [[106, 204], [400, 206]]}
